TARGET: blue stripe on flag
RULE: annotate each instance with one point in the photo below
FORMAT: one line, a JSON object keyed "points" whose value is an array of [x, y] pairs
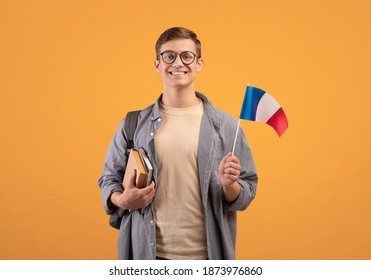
{"points": [[250, 103]]}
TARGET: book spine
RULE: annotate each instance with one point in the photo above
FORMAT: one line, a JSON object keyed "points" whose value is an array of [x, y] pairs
{"points": [[142, 180]]}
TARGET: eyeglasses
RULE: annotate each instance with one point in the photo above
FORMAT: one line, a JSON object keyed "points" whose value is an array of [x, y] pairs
{"points": [[186, 57]]}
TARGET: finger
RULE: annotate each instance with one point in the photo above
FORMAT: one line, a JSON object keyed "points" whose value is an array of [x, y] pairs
{"points": [[133, 179], [232, 165], [233, 159], [228, 157], [148, 202], [148, 198], [231, 171], [150, 188], [146, 192], [232, 178]]}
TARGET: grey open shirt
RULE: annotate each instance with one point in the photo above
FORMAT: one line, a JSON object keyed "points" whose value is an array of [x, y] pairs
{"points": [[137, 237]]}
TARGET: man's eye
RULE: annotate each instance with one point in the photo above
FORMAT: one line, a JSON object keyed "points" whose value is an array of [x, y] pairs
{"points": [[187, 56]]}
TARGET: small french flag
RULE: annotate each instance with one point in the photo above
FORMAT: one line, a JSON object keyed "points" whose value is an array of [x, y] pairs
{"points": [[259, 106]]}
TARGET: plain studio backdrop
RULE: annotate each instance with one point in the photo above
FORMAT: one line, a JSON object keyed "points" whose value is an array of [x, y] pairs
{"points": [[70, 70]]}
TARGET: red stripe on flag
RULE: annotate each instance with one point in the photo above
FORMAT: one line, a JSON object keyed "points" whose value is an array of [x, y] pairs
{"points": [[279, 121]]}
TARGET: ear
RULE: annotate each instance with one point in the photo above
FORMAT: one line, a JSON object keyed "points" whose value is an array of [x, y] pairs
{"points": [[199, 64], [157, 64]]}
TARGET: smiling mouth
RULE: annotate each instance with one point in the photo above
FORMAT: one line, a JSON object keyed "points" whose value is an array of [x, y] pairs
{"points": [[178, 73]]}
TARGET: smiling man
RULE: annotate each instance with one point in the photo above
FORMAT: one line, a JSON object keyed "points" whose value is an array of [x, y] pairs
{"points": [[189, 210]]}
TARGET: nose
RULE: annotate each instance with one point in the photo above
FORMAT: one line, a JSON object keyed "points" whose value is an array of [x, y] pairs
{"points": [[177, 62]]}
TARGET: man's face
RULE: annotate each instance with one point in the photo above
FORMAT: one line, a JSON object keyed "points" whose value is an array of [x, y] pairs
{"points": [[177, 74]]}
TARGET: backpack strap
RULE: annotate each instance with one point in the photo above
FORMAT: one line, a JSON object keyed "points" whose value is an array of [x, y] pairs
{"points": [[131, 121]]}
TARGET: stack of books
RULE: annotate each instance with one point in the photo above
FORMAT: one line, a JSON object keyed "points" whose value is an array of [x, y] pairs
{"points": [[139, 161]]}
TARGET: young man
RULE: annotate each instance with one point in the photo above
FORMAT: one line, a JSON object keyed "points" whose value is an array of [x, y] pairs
{"points": [[189, 210]]}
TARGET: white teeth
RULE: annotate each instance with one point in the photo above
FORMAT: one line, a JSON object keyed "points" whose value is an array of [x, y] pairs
{"points": [[178, 73]]}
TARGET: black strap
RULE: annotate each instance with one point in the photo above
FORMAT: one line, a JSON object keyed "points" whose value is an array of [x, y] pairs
{"points": [[131, 121]]}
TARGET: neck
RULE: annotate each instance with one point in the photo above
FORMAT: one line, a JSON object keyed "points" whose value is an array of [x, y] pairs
{"points": [[180, 98]]}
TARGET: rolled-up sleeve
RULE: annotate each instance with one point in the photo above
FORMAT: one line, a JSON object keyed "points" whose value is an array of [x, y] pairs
{"points": [[114, 168]]}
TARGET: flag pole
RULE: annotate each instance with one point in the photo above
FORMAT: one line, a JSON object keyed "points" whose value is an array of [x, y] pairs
{"points": [[235, 137]]}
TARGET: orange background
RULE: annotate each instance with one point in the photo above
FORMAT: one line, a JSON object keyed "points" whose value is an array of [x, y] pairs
{"points": [[70, 70]]}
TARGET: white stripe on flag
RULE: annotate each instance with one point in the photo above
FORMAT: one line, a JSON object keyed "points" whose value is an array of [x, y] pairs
{"points": [[266, 108]]}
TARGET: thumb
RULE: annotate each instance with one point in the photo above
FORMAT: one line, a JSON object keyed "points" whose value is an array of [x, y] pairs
{"points": [[226, 157], [133, 179]]}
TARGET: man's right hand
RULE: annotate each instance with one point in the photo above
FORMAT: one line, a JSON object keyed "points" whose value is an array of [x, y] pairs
{"points": [[133, 198]]}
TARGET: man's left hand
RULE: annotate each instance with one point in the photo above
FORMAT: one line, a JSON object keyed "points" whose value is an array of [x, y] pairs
{"points": [[229, 171]]}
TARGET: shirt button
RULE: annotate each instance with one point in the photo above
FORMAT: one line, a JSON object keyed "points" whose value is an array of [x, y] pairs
{"points": [[151, 134], [151, 222], [159, 119], [152, 244], [151, 118]]}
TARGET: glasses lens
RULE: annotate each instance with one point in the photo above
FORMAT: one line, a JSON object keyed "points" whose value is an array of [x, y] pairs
{"points": [[187, 57], [168, 56]]}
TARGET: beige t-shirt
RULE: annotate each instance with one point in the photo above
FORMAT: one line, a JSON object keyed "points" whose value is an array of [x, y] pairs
{"points": [[180, 226]]}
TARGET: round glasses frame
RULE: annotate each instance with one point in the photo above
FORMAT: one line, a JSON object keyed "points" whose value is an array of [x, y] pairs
{"points": [[181, 55]]}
